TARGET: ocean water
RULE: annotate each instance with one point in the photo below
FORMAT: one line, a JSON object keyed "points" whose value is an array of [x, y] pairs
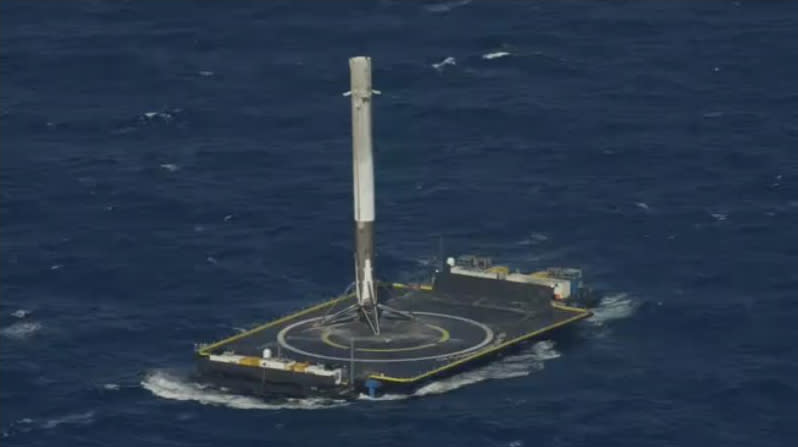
{"points": [[172, 172]]}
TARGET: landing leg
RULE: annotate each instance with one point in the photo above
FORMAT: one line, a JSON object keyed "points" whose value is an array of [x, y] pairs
{"points": [[371, 314], [390, 312]]}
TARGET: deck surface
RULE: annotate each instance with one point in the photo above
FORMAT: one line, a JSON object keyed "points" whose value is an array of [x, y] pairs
{"points": [[447, 331]]}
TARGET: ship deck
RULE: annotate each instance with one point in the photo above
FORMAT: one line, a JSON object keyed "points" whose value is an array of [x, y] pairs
{"points": [[454, 324]]}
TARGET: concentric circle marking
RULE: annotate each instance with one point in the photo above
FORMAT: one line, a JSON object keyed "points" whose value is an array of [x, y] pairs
{"points": [[445, 336], [281, 339]]}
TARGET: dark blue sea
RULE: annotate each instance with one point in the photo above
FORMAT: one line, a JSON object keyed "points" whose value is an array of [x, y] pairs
{"points": [[174, 172]]}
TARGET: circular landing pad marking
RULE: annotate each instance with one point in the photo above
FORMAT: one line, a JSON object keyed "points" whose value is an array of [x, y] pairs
{"points": [[488, 337], [445, 336]]}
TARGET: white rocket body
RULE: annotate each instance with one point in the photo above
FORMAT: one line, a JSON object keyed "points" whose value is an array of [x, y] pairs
{"points": [[363, 176]]}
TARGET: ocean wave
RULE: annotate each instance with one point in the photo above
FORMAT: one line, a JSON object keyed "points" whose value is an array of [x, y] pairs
{"points": [[20, 313], [533, 239], [446, 6], [495, 55], [85, 418], [166, 116], [447, 61], [169, 386], [613, 307], [21, 330], [26, 425]]}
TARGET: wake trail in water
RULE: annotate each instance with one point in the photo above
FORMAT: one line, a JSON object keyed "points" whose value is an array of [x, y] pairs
{"points": [[512, 366], [170, 386], [532, 359]]}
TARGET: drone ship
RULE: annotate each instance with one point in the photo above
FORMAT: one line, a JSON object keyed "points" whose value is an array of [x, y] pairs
{"points": [[384, 337]]}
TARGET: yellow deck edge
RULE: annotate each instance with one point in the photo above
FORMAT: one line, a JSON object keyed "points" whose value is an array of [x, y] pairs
{"points": [[583, 313], [557, 305], [205, 351]]}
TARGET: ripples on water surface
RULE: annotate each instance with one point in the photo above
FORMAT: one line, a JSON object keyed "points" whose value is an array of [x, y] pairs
{"points": [[174, 171]]}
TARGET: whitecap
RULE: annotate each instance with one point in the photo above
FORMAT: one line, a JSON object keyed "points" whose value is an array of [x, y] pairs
{"points": [[162, 115], [20, 313], [73, 419], [168, 386], [512, 366], [720, 217], [206, 73], [534, 239], [21, 330], [642, 205], [171, 167], [612, 307], [111, 387], [495, 55], [56, 266], [448, 61], [446, 6], [23, 425], [545, 350]]}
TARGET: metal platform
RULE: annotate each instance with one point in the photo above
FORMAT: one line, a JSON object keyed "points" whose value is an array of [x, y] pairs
{"points": [[456, 322]]}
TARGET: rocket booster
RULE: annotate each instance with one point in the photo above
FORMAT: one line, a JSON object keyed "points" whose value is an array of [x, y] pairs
{"points": [[363, 176]]}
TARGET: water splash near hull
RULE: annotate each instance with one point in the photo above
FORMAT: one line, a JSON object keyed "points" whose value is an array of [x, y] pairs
{"points": [[512, 366], [170, 386], [613, 307]]}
